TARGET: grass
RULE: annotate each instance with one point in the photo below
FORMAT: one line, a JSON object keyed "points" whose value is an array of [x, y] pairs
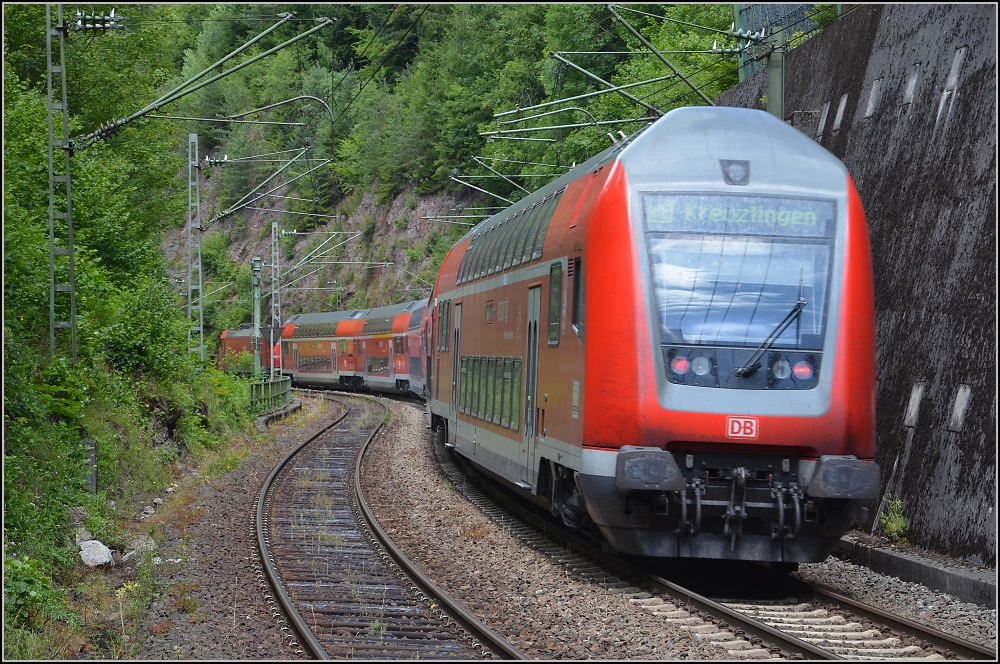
{"points": [[893, 523]]}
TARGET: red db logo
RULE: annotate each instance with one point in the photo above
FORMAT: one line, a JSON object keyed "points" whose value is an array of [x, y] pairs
{"points": [[741, 427]]}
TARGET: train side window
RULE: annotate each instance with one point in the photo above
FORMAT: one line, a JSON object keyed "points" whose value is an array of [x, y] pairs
{"points": [[489, 311], [483, 363], [398, 345], [578, 298], [464, 387], [515, 395], [498, 392], [475, 387], [505, 417], [485, 266], [524, 231], [490, 393], [555, 297], [477, 265], [444, 325], [463, 267], [536, 234], [513, 225]]}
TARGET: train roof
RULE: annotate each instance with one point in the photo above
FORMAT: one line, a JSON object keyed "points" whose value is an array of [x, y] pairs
{"points": [[357, 314], [686, 145], [555, 185], [687, 149]]}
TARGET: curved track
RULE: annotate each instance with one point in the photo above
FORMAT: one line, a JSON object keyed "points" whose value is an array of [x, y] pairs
{"points": [[807, 623], [338, 583]]}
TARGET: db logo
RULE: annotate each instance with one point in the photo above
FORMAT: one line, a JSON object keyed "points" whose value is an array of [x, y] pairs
{"points": [[741, 427]]}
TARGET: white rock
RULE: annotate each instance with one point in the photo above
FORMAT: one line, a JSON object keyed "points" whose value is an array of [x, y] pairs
{"points": [[140, 543], [130, 557], [83, 535], [157, 501], [148, 511], [94, 554]]}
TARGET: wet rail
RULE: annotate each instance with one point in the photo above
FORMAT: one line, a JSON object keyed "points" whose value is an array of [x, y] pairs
{"points": [[812, 624], [341, 587]]}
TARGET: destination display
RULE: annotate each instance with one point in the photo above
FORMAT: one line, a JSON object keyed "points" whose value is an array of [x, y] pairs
{"points": [[739, 215]]}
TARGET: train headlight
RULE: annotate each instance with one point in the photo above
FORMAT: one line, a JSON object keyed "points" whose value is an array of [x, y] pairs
{"points": [[679, 365], [701, 365], [781, 369], [803, 370]]}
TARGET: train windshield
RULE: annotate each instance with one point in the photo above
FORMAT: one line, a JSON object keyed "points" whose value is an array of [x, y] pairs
{"points": [[728, 270]]}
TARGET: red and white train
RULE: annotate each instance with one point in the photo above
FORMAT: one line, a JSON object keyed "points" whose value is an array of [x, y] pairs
{"points": [[673, 343]]}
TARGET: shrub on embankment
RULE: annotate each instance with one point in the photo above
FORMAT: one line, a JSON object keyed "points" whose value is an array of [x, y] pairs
{"points": [[135, 397]]}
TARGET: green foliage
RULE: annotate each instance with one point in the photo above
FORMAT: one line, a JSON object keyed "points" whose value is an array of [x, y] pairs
{"points": [[893, 523], [29, 598]]}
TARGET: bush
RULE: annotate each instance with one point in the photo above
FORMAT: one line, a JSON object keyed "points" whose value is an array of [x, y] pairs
{"points": [[893, 523]]}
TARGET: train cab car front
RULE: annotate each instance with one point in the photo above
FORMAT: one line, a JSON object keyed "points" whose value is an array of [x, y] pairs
{"points": [[735, 411]]}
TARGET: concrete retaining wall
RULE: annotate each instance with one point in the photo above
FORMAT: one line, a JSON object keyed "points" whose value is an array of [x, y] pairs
{"points": [[914, 88]]}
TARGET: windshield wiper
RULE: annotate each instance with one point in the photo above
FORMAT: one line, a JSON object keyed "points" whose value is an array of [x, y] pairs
{"points": [[753, 363]]}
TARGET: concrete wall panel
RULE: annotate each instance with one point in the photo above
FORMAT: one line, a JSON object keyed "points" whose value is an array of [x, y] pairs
{"points": [[918, 134]]}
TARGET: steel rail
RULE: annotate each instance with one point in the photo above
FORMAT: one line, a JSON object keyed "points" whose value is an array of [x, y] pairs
{"points": [[495, 643], [789, 645], [943, 641], [263, 542]]}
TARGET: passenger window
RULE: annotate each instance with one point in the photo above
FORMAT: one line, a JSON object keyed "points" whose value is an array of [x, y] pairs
{"points": [[483, 363], [555, 297], [464, 387], [475, 387], [505, 419], [515, 395], [578, 297], [490, 393], [498, 391]]}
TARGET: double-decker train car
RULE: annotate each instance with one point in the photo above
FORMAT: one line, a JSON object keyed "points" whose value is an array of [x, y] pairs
{"points": [[673, 342], [240, 340], [381, 349]]}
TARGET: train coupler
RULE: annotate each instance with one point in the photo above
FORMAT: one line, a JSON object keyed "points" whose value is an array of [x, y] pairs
{"points": [[794, 494], [735, 512]]}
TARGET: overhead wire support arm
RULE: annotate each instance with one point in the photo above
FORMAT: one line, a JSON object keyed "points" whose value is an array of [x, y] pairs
{"points": [[111, 129], [472, 186], [227, 120], [287, 101], [616, 88], [645, 42], [236, 206], [478, 161], [499, 132], [600, 80], [283, 184]]}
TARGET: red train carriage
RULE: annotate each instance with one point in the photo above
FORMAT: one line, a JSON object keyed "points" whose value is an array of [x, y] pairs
{"points": [[673, 342], [232, 342], [376, 348]]}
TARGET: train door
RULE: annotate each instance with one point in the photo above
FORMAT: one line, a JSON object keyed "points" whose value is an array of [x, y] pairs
{"points": [[333, 359], [530, 385], [295, 357], [455, 375]]}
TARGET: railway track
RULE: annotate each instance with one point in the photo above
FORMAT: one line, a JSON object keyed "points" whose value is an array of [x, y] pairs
{"points": [[806, 622], [337, 579]]}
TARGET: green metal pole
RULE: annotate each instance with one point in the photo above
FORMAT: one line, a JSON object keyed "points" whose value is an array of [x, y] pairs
{"points": [[741, 57], [255, 334], [776, 75]]}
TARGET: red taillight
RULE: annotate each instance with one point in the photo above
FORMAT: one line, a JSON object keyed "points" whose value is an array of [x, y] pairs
{"points": [[803, 370], [679, 365]]}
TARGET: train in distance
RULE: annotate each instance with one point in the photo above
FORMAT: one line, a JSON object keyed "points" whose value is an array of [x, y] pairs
{"points": [[672, 344]]}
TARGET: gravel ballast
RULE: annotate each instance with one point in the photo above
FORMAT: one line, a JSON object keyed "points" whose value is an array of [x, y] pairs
{"points": [[539, 605], [213, 606]]}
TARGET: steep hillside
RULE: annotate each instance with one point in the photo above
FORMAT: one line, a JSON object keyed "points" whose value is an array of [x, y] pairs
{"points": [[396, 232]]}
